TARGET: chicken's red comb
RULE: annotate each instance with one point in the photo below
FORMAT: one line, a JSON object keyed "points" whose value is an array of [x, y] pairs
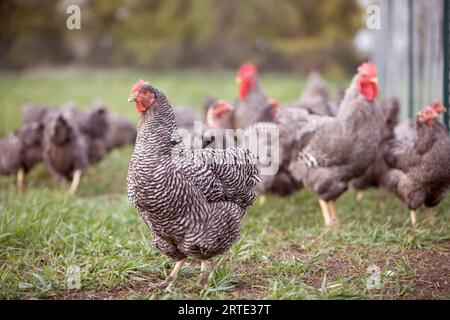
{"points": [[368, 69], [137, 86], [274, 102], [247, 69], [438, 107], [428, 114]]}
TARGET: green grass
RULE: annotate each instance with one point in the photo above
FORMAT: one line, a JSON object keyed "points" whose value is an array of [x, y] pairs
{"points": [[282, 253]]}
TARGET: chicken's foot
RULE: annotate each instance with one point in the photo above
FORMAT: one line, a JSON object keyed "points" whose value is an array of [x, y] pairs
{"points": [[413, 215], [75, 181], [205, 272], [360, 196], [21, 179], [430, 214], [262, 200], [325, 212], [333, 215], [173, 275]]}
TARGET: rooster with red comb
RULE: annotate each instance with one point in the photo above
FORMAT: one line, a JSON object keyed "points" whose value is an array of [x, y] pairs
{"points": [[253, 105], [334, 150]]}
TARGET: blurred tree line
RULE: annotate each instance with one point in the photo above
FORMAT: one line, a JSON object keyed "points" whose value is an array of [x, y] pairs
{"points": [[294, 35]]}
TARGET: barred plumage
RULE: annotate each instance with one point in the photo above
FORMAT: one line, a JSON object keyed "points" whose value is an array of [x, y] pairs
{"points": [[375, 175], [420, 173], [335, 150], [193, 207], [331, 151]]}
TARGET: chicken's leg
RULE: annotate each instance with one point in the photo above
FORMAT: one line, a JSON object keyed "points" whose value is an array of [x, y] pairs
{"points": [[173, 275], [325, 212], [75, 181], [333, 215], [359, 195], [430, 214], [21, 179], [205, 272], [413, 218], [262, 200]]}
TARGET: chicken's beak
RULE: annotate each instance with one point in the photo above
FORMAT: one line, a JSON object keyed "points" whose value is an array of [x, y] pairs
{"points": [[238, 80], [131, 99], [374, 80]]}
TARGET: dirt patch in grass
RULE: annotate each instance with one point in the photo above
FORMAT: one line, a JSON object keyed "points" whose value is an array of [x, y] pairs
{"points": [[432, 273], [427, 275]]}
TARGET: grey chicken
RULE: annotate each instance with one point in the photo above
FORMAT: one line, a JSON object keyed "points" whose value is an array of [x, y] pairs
{"points": [[335, 150], [260, 138], [421, 171], [375, 175], [316, 98], [405, 132], [208, 101], [34, 112], [21, 150], [192, 201], [219, 118], [120, 131], [253, 105], [290, 120], [93, 126], [65, 152]]}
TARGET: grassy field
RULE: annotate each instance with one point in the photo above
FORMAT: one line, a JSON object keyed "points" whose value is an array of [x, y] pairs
{"points": [[282, 253]]}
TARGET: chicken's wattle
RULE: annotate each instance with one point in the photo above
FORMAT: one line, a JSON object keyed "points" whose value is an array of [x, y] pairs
{"points": [[368, 89]]}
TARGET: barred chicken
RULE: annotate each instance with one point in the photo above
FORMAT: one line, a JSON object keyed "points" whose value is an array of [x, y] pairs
{"points": [[193, 201], [420, 172], [375, 175], [253, 106], [335, 150], [65, 152], [20, 151]]}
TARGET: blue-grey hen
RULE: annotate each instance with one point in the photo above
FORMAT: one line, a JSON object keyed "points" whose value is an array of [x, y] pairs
{"points": [[335, 150], [420, 171], [193, 201]]}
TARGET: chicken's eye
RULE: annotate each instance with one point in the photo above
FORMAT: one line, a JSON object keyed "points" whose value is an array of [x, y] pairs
{"points": [[144, 91]]}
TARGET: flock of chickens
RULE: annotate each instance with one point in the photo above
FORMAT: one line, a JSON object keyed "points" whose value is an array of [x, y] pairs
{"points": [[66, 140], [193, 198]]}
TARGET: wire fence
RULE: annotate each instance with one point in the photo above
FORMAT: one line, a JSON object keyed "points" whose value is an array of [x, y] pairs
{"points": [[409, 51]]}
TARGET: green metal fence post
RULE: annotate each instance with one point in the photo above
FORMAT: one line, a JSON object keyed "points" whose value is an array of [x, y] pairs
{"points": [[411, 58], [446, 37]]}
